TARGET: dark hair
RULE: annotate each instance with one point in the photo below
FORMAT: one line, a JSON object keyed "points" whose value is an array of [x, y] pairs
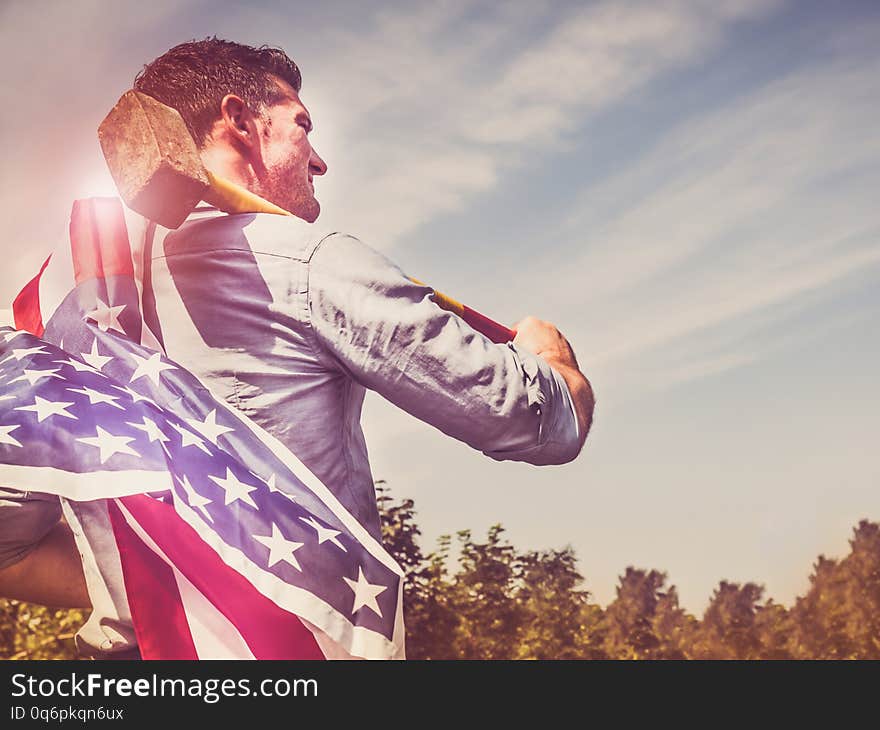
{"points": [[194, 77]]}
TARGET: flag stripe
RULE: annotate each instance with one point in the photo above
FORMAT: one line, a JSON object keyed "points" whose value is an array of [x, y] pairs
{"points": [[258, 618], [26, 307], [148, 297], [99, 240], [215, 636], [156, 609]]}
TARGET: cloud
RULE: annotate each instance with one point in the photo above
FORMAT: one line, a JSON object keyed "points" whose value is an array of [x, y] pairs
{"points": [[442, 103], [594, 58], [735, 217]]}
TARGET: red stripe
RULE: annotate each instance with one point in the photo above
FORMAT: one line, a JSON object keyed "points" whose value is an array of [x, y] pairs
{"points": [[99, 239], [26, 307], [156, 608], [269, 631]]}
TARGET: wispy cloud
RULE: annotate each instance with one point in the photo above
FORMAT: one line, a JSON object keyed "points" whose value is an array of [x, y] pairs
{"points": [[765, 202], [475, 95]]}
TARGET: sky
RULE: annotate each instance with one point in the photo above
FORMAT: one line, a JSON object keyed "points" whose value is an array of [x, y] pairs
{"points": [[688, 190]]}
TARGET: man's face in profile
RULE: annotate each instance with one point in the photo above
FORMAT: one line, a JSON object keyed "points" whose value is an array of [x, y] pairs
{"points": [[289, 163]]}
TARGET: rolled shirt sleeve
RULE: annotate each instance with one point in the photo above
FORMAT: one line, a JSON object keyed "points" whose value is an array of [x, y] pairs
{"points": [[372, 322]]}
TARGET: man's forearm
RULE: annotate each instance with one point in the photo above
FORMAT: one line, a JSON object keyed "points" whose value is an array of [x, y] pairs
{"points": [[51, 574]]}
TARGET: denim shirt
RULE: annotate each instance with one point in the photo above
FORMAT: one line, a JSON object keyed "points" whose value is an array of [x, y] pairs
{"points": [[291, 325]]}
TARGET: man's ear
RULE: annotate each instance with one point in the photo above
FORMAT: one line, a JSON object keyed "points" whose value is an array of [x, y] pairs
{"points": [[239, 121]]}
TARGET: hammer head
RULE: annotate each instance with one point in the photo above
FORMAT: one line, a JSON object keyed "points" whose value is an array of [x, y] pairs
{"points": [[153, 159]]}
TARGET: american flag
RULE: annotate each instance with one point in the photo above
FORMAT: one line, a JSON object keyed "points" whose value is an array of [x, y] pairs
{"points": [[229, 546]]}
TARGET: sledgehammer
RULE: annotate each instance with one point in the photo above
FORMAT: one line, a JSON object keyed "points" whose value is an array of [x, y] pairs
{"points": [[159, 173]]}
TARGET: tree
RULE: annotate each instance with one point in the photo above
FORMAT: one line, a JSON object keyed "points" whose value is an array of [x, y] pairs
{"points": [[673, 626], [559, 621], [483, 598], [839, 617], [630, 618], [728, 629], [430, 620]]}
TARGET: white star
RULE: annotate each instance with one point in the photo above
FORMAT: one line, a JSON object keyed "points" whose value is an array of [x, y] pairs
{"points": [[234, 488], [110, 444], [279, 547], [134, 394], [209, 428], [5, 438], [150, 367], [151, 429], [270, 482], [365, 593], [106, 317], [79, 366], [188, 438], [196, 500], [44, 408], [94, 358], [21, 352], [96, 396], [9, 336], [7, 397], [32, 376], [324, 533]]}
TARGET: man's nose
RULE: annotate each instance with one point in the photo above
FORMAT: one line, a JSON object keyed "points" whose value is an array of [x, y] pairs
{"points": [[317, 166]]}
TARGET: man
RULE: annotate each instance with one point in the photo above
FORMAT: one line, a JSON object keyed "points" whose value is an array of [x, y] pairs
{"points": [[291, 325]]}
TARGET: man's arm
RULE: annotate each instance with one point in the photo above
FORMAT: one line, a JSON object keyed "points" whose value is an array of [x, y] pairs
{"points": [[51, 574], [383, 330]]}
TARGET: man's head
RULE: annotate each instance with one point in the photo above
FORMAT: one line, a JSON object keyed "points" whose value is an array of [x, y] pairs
{"points": [[242, 107]]}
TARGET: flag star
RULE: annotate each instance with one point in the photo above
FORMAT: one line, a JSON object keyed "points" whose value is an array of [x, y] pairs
{"points": [[106, 317], [110, 444], [94, 358], [5, 438], [21, 352], [188, 438], [234, 488], [32, 376], [9, 336], [209, 428], [79, 366], [270, 482], [196, 500], [96, 396], [134, 394], [324, 533], [151, 429], [151, 367], [365, 593], [279, 547], [45, 408]]}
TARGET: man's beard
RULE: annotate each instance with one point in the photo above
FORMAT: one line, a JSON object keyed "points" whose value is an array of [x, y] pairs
{"points": [[298, 199]]}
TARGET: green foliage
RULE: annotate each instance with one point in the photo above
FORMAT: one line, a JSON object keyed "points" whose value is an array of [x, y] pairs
{"points": [[28, 631], [839, 617], [504, 604], [496, 602]]}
